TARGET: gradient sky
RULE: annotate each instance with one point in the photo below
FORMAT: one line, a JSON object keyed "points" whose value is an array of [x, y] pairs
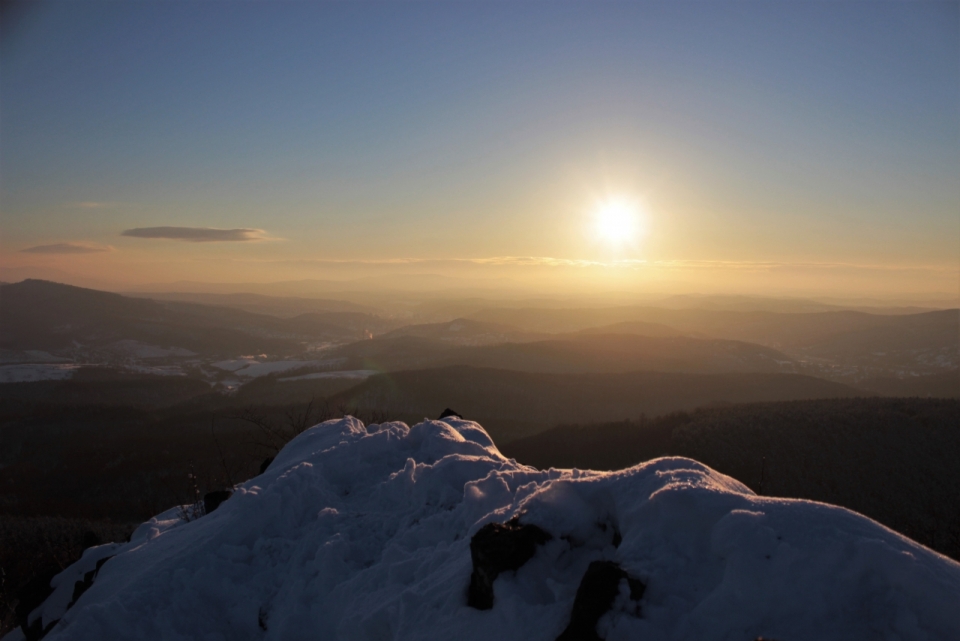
{"points": [[803, 142]]}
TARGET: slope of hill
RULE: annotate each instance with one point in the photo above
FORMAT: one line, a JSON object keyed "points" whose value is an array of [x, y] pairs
{"points": [[872, 344], [100, 386], [638, 328], [792, 305], [464, 331], [382, 531], [512, 404], [49, 316], [282, 306], [891, 459], [572, 353], [944, 385], [786, 330], [625, 353], [389, 354]]}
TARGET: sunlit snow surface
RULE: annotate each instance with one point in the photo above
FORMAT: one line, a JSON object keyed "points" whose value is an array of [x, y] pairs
{"points": [[361, 532]]}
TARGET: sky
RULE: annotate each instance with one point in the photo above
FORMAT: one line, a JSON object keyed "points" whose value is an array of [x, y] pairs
{"points": [[808, 148]]}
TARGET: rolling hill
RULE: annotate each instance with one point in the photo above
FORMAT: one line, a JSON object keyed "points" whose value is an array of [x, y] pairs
{"points": [[282, 306], [567, 354], [41, 315], [464, 331], [512, 404], [815, 330], [942, 385], [923, 343]]}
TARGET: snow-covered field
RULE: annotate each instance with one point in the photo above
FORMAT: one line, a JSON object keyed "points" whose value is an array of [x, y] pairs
{"points": [[136, 349], [363, 532], [157, 370], [358, 374], [252, 368], [11, 357], [33, 372], [234, 364]]}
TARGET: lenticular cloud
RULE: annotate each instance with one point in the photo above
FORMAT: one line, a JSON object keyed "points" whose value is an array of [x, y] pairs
{"points": [[196, 234], [364, 532], [67, 248]]}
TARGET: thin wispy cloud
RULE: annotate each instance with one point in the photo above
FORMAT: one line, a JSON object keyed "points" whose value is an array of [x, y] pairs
{"points": [[89, 204], [68, 248], [626, 263], [197, 234]]}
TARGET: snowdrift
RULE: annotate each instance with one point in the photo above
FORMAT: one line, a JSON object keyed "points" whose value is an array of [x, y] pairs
{"points": [[364, 532]]}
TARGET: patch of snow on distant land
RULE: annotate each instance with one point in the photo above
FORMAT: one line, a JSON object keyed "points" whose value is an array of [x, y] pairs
{"points": [[30, 356], [157, 370], [347, 373], [234, 364], [137, 349], [31, 373], [251, 368], [363, 532], [273, 367]]}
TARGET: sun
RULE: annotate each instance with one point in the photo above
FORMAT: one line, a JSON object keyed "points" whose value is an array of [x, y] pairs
{"points": [[617, 222]]}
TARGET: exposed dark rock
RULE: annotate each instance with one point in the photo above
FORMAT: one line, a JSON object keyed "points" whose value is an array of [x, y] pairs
{"points": [[36, 631], [41, 586], [266, 463], [30, 598], [615, 537], [447, 413], [90, 539], [212, 500], [262, 614], [79, 587], [496, 548], [598, 590]]}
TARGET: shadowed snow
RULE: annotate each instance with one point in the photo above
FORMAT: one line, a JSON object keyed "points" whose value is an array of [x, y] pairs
{"points": [[362, 532]]}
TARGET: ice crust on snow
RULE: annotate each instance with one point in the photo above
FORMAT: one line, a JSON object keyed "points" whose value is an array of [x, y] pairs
{"points": [[362, 532]]}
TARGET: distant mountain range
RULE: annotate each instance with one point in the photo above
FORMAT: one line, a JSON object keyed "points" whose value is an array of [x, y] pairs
{"points": [[283, 306], [794, 329], [842, 337], [942, 385], [882, 354], [465, 331], [41, 315], [577, 353]]}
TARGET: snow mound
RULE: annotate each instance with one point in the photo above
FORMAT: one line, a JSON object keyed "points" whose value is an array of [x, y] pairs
{"points": [[363, 532]]}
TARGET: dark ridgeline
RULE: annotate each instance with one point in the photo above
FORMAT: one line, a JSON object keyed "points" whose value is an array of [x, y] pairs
{"points": [[36, 314], [512, 404]]}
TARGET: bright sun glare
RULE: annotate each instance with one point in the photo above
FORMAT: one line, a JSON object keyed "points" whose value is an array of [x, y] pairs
{"points": [[617, 222]]}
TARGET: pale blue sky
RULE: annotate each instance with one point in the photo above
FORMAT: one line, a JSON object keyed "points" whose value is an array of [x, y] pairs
{"points": [[811, 132]]}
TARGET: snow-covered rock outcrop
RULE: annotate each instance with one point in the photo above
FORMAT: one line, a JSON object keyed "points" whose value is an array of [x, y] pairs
{"points": [[363, 532]]}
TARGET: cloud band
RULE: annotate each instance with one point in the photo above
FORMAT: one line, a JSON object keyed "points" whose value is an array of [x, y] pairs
{"points": [[197, 234], [67, 248]]}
